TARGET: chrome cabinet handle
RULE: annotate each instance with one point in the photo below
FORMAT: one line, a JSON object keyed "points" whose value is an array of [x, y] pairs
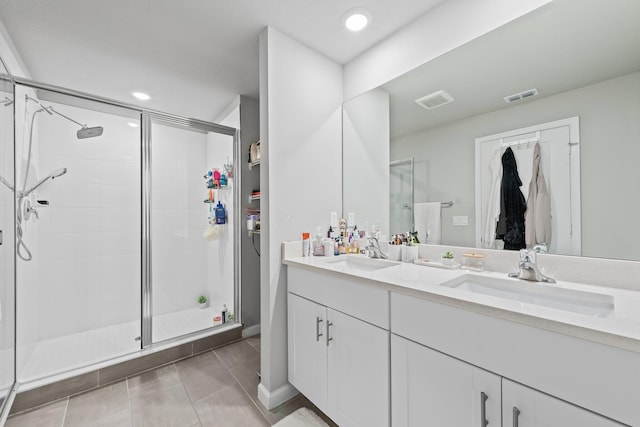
{"points": [[516, 413], [328, 337], [483, 409], [318, 333]]}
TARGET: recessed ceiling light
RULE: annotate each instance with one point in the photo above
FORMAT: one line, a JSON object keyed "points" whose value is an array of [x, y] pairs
{"points": [[356, 19], [141, 95], [133, 124]]}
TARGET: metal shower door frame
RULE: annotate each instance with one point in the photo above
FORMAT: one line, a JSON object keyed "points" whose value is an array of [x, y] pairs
{"points": [[148, 116]]}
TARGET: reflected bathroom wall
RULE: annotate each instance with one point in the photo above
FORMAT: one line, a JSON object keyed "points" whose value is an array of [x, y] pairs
{"points": [[81, 287]]}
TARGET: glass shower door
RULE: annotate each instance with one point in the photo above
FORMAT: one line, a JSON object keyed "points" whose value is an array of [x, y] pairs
{"points": [[79, 259], [401, 196], [7, 272], [192, 228]]}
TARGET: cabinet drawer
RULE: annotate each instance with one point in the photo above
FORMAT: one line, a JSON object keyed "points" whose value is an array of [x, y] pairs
{"points": [[359, 298]]}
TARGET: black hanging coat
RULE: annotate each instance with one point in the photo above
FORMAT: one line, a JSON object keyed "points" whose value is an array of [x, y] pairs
{"points": [[512, 205]]}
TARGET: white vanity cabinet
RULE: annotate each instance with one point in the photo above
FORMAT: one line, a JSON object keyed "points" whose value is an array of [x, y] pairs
{"points": [[338, 347], [443, 358], [429, 388], [432, 388], [525, 407]]}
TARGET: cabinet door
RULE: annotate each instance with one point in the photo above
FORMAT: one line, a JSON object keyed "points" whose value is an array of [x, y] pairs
{"points": [[429, 388], [525, 407], [307, 349], [358, 386]]}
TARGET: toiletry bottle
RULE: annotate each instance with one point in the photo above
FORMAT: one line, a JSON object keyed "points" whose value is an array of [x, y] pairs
{"points": [[223, 180], [318, 250], [221, 214], [327, 246], [306, 244], [224, 313]]}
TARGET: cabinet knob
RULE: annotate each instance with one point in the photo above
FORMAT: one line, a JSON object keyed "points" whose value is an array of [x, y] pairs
{"points": [[328, 337], [516, 413], [318, 333], [483, 409]]}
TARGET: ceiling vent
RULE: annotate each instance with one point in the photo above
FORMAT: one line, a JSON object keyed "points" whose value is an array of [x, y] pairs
{"points": [[522, 95], [435, 100]]}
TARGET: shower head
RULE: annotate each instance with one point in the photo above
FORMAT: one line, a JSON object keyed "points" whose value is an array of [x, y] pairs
{"points": [[87, 132], [83, 133], [54, 174], [58, 172]]}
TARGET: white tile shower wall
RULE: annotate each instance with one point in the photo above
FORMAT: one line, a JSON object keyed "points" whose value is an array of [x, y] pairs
{"points": [[89, 237], [178, 218], [220, 266], [27, 296]]}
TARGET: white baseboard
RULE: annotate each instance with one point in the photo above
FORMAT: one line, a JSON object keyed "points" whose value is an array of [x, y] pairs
{"points": [[275, 398], [251, 331]]}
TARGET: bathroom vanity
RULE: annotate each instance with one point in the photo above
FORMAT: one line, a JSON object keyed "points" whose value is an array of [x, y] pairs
{"points": [[377, 343]]}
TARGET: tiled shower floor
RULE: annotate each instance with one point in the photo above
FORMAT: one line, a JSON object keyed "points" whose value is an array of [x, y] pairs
{"points": [[86, 348], [215, 388]]}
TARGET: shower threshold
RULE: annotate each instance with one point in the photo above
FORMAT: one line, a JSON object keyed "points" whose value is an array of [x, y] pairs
{"points": [[87, 348]]}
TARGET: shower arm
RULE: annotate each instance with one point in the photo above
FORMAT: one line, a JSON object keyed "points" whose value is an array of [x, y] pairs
{"points": [[50, 110]]}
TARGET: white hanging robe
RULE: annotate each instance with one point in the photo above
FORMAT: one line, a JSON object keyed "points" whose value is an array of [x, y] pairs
{"points": [[493, 204], [538, 215]]}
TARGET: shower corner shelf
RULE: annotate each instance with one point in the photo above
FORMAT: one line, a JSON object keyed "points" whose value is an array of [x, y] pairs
{"points": [[253, 232], [252, 198]]}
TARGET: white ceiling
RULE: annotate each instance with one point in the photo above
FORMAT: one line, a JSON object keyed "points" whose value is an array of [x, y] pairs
{"points": [[193, 56], [564, 45]]}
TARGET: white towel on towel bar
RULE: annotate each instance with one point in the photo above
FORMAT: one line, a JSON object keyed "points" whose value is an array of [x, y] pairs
{"points": [[426, 217]]}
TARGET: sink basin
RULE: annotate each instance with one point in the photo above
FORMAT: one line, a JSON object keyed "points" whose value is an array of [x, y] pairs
{"points": [[360, 263], [574, 301]]}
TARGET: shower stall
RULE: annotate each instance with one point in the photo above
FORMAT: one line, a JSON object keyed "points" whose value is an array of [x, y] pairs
{"points": [[116, 239]]}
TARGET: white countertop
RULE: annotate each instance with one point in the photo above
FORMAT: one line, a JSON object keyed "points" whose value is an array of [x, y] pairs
{"points": [[620, 329]]}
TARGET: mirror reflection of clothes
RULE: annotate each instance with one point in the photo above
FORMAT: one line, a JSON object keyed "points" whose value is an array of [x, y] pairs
{"points": [[538, 217], [493, 204], [513, 205]]}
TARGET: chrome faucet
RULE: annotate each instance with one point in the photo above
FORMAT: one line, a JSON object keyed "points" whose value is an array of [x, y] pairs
{"points": [[373, 249], [528, 269]]}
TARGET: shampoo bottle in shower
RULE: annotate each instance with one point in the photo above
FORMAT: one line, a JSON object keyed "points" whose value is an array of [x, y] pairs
{"points": [[221, 214]]}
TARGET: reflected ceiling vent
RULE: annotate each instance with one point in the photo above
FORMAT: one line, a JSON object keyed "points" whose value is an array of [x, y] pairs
{"points": [[435, 100], [522, 95]]}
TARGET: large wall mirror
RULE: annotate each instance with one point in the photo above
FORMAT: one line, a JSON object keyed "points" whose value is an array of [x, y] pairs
{"points": [[583, 58]]}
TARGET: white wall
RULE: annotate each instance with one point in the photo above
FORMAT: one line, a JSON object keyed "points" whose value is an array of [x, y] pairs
{"points": [[301, 171], [449, 25], [366, 159], [10, 56], [609, 133]]}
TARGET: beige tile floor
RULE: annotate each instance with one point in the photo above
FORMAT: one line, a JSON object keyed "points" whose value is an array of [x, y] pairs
{"points": [[215, 388]]}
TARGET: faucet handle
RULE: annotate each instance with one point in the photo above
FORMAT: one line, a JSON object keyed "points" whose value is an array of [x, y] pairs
{"points": [[527, 255]]}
